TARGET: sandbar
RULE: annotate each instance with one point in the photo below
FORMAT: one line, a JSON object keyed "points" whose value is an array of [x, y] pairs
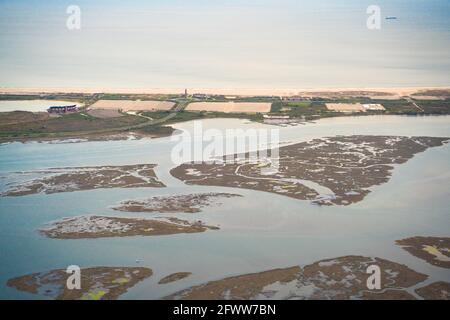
{"points": [[189, 203], [89, 227], [86, 178]]}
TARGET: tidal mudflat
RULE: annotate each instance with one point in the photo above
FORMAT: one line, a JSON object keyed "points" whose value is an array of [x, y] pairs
{"points": [[329, 171], [86, 178], [338, 278], [83, 227], [97, 283], [188, 203], [434, 250], [435, 291]]}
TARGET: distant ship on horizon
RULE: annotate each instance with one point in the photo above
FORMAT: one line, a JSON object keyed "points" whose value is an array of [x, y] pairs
{"points": [[391, 18]]}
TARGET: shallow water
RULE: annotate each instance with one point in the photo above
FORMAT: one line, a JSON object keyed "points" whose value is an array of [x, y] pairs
{"points": [[274, 231]]}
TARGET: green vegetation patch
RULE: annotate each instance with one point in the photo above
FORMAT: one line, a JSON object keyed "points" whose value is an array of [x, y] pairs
{"points": [[76, 122], [398, 106], [302, 109], [183, 116], [435, 106]]}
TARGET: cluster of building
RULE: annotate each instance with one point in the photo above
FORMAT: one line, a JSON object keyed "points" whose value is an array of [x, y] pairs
{"points": [[295, 99], [63, 109], [205, 96], [354, 107], [373, 107]]}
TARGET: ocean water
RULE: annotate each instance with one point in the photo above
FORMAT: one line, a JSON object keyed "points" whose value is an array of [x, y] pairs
{"points": [[272, 232], [224, 44]]}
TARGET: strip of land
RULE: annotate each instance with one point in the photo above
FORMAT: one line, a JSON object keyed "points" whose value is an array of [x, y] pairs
{"points": [[229, 91], [189, 203], [149, 113], [174, 277], [21, 126], [91, 227]]}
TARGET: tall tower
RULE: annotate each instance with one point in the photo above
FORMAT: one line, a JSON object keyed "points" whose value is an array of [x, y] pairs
{"points": [[185, 93]]}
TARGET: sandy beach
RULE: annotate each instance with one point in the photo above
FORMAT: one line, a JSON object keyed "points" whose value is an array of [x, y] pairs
{"points": [[396, 91]]}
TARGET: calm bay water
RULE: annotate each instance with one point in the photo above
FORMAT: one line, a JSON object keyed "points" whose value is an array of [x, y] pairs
{"points": [[273, 232]]}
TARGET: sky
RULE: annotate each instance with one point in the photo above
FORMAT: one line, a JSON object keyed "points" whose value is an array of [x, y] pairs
{"points": [[224, 44]]}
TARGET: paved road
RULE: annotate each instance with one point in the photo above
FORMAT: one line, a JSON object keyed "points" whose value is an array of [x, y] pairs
{"points": [[414, 104], [180, 106]]}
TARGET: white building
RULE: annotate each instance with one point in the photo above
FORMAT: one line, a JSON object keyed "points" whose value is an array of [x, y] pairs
{"points": [[373, 107]]}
